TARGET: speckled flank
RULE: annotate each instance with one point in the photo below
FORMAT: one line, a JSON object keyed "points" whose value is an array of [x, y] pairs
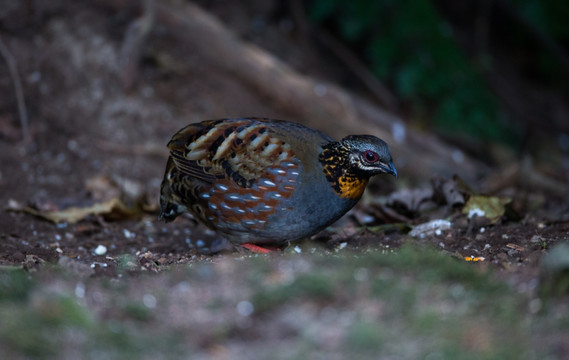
{"points": [[249, 207]]}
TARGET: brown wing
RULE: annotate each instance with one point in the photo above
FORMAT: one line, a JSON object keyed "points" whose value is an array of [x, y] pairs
{"points": [[232, 174], [238, 149]]}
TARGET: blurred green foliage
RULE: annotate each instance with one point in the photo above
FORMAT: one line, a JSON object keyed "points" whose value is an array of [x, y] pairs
{"points": [[410, 47], [409, 303], [550, 18], [306, 286], [548, 15], [14, 285]]}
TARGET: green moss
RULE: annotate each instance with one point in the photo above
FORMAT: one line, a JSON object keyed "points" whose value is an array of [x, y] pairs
{"points": [[137, 311], [366, 337], [14, 285], [35, 330], [305, 287]]}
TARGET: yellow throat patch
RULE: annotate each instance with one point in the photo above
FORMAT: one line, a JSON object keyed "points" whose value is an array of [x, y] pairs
{"points": [[334, 160], [351, 187]]}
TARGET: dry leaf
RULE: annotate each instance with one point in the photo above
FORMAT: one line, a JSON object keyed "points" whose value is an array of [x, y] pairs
{"points": [[515, 247], [473, 258], [490, 207], [113, 209]]}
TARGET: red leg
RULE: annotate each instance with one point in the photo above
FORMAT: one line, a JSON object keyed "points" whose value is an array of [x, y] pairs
{"points": [[256, 248]]}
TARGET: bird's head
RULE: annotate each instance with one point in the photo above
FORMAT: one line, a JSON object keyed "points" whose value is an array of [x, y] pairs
{"points": [[368, 155]]}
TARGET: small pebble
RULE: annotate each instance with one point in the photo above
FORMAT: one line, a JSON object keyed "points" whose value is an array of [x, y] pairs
{"points": [[149, 301], [535, 306], [80, 290], [100, 250], [361, 274], [245, 308], [430, 228], [476, 212]]}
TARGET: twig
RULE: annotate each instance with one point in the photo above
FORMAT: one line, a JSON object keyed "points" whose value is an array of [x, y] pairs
{"points": [[134, 38], [18, 89]]}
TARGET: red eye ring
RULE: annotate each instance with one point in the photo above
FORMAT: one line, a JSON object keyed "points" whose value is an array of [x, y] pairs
{"points": [[370, 156]]}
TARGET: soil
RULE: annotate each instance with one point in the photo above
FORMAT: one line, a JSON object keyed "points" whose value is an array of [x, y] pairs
{"points": [[84, 125]]}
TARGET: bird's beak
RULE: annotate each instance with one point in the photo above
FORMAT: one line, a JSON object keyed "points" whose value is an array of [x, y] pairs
{"points": [[389, 169]]}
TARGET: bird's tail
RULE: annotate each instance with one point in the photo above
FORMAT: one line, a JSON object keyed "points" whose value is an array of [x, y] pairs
{"points": [[169, 207]]}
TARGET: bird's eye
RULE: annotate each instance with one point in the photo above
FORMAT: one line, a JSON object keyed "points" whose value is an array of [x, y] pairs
{"points": [[370, 156]]}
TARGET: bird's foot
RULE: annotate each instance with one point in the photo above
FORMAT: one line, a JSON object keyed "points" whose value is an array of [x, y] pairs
{"points": [[256, 249]]}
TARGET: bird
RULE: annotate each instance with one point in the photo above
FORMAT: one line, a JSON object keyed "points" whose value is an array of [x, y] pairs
{"points": [[262, 182]]}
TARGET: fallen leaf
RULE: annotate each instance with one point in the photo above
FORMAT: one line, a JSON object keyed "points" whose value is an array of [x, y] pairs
{"points": [[388, 228], [113, 209], [449, 191], [410, 200], [490, 207], [472, 258], [104, 187], [434, 227], [515, 247]]}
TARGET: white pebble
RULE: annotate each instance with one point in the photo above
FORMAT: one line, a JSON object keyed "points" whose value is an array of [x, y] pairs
{"points": [[361, 274], [476, 212], [149, 301], [245, 308], [430, 228], [101, 250], [80, 290]]}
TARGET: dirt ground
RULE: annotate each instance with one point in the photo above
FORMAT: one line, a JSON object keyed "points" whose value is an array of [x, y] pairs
{"points": [[93, 141]]}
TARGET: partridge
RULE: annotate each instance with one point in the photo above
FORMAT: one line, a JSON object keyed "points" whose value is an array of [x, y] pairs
{"points": [[266, 182]]}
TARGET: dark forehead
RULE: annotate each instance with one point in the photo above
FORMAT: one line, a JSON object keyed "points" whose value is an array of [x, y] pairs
{"points": [[369, 142]]}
